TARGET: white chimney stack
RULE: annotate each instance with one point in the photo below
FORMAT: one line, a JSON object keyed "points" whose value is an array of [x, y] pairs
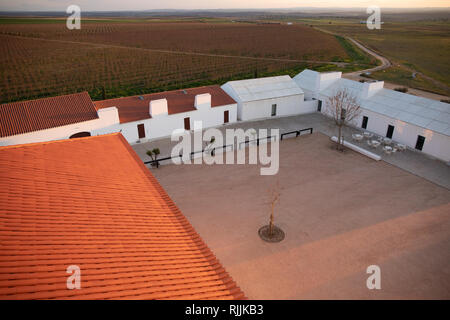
{"points": [[158, 108], [370, 88], [109, 116], [202, 101]]}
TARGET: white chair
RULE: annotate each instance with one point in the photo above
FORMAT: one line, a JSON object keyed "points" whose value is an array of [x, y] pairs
{"points": [[367, 135]]}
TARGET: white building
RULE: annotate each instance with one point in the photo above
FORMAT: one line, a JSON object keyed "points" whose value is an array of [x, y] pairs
{"points": [[268, 97], [138, 118], [52, 118], [159, 114], [420, 123]]}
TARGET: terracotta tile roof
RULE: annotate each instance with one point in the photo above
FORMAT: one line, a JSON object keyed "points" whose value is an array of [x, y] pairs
{"points": [[34, 115], [91, 202], [134, 109]]}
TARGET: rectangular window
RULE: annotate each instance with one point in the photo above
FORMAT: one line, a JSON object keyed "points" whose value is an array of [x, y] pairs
{"points": [[364, 123], [343, 113], [141, 131], [319, 106], [226, 116], [187, 124], [390, 132], [274, 110], [420, 142]]}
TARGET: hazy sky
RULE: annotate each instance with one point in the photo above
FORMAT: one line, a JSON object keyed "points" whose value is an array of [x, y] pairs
{"points": [[107, 5]]}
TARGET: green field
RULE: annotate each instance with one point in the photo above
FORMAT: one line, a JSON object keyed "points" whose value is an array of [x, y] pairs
{"points": [[421, 47]]}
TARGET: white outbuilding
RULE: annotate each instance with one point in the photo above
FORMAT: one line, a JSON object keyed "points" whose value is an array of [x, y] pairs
{"points": [[138, 118], [419, 123], [268, 97]]}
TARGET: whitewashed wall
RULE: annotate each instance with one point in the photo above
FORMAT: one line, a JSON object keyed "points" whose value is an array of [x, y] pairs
{"points": [[286, 106], [436, 144], [164, 125], [107, 117]]}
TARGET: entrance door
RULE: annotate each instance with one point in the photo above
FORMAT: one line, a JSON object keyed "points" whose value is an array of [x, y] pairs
{"points": [[141, 130], [364, 123], [274, 110], [226, 116], [319, 106], [420, 142], [390, 132], [187, 124]]}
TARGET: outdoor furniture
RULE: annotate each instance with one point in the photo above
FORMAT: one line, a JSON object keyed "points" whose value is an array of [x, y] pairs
{"points": [[357, 136], [387, 149], [369, 143], [367, 135], [401, 147], [387, 141], [375, 143]]}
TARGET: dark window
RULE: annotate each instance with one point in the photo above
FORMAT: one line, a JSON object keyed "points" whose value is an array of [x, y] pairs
{"points": [[390, 132], [420, 142], [141, 130], [343, 113], [319, 106], [187, 124], [274, 110], [364, 123], [226, 116], [80, 135]]}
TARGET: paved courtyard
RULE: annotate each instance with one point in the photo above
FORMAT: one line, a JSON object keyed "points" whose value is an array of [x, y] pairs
{"points": [[341, 213], [415, 162]]}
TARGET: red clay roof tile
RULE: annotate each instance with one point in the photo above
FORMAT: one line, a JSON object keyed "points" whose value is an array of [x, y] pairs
{"points": [[33, 115], [134, 109], [91, 202]]}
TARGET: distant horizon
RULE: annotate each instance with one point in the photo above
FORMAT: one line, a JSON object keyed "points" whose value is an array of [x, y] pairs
{"points": [[222, 5], [230, 9]]}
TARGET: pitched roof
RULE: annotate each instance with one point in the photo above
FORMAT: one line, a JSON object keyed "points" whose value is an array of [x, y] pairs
{"points": [[178, 101], [33, 115], [263, 88], [426, 113], [91, 202]]}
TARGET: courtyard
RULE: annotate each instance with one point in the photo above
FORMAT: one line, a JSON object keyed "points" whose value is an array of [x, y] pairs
{"points": [[341, 213]]}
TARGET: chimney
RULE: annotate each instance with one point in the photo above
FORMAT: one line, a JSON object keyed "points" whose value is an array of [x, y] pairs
{"points": [[158, 108], [202, 101], [370, 88], [108, 116]]}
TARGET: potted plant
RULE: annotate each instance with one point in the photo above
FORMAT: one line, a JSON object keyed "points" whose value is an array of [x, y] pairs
{"points": [[153, 154]]}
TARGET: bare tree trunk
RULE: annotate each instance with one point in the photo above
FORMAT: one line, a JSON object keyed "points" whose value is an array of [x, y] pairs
{"points": [[339, 145], [271, 222]]}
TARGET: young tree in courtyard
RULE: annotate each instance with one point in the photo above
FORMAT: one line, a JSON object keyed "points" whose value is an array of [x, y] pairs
{"points": [[274, 194], [343, 107]]}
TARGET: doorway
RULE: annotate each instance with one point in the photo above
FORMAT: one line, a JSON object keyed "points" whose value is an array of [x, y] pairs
{"points": [[364, 123], [187, 124], [390, 132], [420, 142], [226, 116], [141, 130]]}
